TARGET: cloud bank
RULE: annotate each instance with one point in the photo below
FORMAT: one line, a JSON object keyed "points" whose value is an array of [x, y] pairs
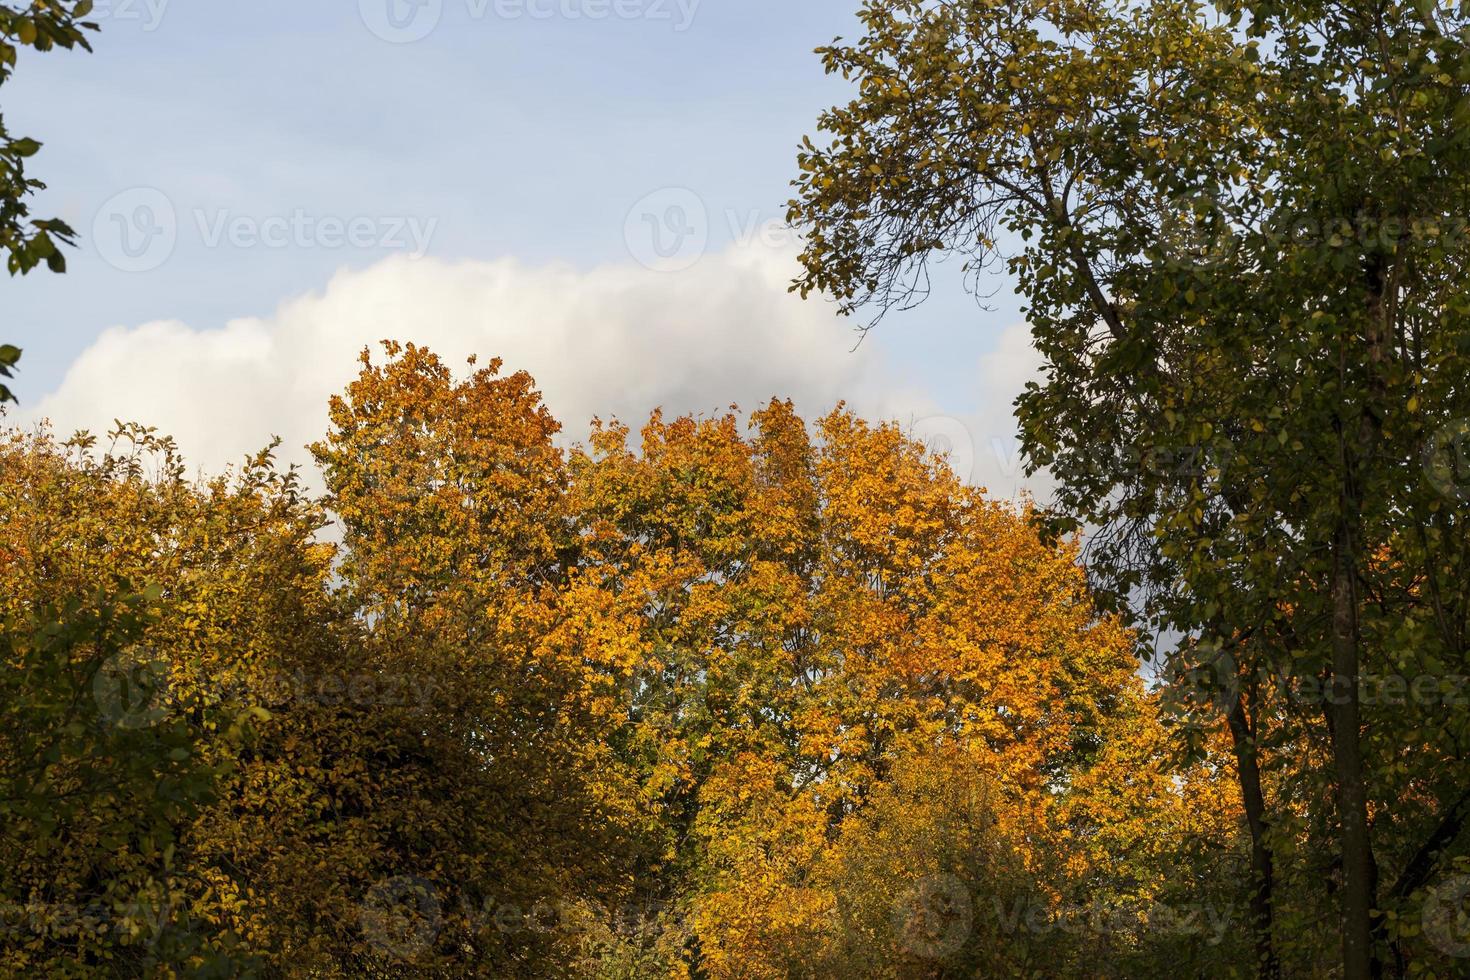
{"points": [[616, 340]]}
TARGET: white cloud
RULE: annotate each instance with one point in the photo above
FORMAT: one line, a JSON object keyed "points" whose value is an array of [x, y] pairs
{"points": [[614, 340], [982, 444]]}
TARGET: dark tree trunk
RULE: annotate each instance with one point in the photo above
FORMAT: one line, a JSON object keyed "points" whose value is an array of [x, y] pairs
{"points": [[1243, 737], [1352, 793]]}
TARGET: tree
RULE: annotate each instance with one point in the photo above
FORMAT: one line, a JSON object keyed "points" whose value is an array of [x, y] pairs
{"points": [[43, 25], [829, 619], [772, 700], [460, 564], [127, 620], [1236, 226]]}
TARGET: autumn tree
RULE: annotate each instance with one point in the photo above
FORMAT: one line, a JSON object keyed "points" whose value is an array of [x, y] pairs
{"points": [[751, 697], [965, 685], [460, 564], [826, 615], [1237, 229], [136, 604]]}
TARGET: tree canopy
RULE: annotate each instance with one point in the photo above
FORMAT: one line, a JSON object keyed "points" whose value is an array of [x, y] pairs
{"points": [[742, 697], [1239, 232]]}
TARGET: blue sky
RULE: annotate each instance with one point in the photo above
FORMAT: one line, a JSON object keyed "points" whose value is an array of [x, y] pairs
{"points": [[291, 143]]}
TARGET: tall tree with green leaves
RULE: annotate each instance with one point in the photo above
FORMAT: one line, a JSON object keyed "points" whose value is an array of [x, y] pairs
{"points": [[28, 242], [1239, 230]]}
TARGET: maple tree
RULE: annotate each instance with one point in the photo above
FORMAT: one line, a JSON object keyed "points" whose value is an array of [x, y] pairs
{"points": [[827, 612], [756, 698], [460, 564]]}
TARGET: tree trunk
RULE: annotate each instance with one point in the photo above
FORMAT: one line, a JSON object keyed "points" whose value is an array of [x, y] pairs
{"points": [[1268, 965], [1352, 795], [1358, 449]]}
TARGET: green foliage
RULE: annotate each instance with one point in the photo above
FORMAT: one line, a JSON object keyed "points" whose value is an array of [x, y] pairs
{"points": [[1239, 229], [28, 242]]}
